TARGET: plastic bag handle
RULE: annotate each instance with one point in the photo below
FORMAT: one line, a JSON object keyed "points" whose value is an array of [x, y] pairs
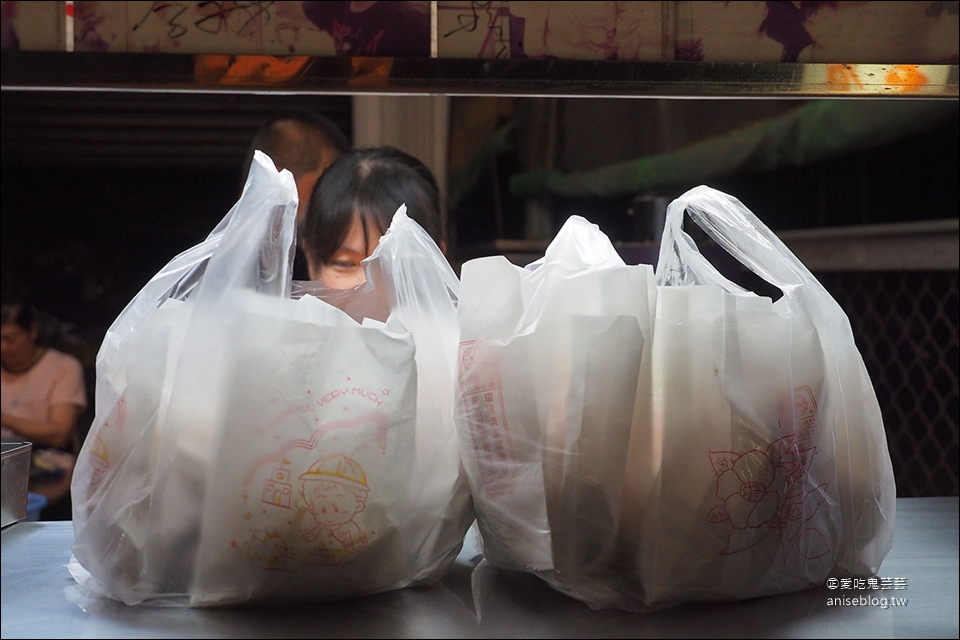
{"points": [[181, 276], [735, 228]]}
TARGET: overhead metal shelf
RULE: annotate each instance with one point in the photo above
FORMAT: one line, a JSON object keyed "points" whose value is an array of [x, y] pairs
{"points": [[166, 72]]}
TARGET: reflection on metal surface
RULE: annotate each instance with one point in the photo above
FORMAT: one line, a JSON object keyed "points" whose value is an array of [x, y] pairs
{"points": [[425, 76], [890, 79], [231, 70]]}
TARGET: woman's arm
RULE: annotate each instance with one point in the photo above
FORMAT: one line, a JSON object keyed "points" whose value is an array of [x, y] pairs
{"points": [[55, 431]]}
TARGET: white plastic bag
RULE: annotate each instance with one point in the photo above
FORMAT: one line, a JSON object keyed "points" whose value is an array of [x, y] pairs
{"points": [[553, 368], [773, 471], [642, 443], [249, 446]]}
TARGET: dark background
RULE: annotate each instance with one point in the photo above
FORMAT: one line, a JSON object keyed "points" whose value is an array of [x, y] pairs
{"points": [[101, 189]]}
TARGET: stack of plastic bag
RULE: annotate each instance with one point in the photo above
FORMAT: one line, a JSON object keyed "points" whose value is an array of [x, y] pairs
{"points": [[253, 446], [642, 445]]}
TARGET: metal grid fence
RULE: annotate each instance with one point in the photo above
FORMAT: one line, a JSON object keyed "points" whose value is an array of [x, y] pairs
{"points": [[905, 325]]}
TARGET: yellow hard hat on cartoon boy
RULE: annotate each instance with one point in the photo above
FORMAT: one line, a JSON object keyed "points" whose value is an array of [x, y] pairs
{"points": [[338, 468]]}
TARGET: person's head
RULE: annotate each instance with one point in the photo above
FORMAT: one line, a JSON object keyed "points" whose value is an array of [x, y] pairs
{"points": [[18, 334], [303, 142], [353, 204]]}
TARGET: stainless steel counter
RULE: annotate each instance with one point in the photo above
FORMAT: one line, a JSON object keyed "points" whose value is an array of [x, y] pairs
{"points": [[40, 600]]}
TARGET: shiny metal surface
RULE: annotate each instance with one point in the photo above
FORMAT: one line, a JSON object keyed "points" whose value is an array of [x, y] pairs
{"points": [[40, 70], [15, 471], [475, 600]]}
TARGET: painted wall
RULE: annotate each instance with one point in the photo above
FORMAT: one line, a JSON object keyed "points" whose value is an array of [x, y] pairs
{"points": [[823, 32]]}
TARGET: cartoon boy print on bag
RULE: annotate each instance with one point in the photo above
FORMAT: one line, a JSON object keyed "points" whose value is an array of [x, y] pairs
{"points": [[305, 498], [334, 491]]}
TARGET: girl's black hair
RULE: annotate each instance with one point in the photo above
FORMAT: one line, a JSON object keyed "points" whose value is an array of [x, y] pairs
{"points": [[371, 183]]}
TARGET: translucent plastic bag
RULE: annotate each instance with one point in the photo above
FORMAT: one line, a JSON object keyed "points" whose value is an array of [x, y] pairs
{"points": [[250, 445], [642, 443], [553, 372], [772, 473]]}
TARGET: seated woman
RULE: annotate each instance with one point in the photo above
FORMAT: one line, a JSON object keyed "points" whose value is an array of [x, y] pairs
{"points": [[43, 395]]}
